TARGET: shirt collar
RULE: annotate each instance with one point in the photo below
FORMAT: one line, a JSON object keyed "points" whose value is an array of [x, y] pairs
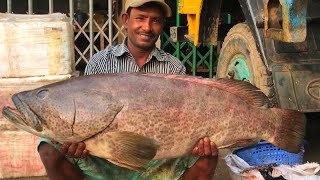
{"points": [[123, 48]]}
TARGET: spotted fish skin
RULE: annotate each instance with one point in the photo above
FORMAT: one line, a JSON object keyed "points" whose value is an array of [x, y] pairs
{"points": [[117, 114]]}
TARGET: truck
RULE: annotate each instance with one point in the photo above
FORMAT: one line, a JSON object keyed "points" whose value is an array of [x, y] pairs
{"points": [[273, 44]]}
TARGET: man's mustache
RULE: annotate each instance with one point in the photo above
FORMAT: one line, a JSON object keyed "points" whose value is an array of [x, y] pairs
{"points": [[151, 34]]}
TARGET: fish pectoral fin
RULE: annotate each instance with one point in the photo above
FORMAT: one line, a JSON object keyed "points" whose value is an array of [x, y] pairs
{"points": [[128, 166], [131, 150], [241, 143]]}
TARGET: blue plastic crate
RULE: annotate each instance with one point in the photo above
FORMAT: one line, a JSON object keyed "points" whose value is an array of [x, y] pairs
{"points": [[266, 153]]}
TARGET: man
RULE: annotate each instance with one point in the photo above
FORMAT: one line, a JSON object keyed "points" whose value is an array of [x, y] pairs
{"points": [[144, 21]]}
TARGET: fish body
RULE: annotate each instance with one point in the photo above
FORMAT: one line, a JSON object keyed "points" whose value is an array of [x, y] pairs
{"points": [[131, 118]]}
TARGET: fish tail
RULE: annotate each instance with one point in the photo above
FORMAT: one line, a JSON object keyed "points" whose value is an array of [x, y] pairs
{"points": [[289, 129]]}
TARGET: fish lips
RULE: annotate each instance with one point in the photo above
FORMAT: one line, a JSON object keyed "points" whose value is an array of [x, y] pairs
{"points": [[23, 115]]}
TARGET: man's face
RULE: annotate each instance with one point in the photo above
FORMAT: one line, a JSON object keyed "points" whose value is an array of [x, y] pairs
{"points": [[144, 25]]}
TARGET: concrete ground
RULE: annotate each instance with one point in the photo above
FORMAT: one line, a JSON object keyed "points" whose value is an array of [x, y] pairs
{"points": [[312, 150]]}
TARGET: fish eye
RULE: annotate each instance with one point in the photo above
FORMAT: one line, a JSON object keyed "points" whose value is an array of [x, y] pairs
{"points": [[42, 93]]}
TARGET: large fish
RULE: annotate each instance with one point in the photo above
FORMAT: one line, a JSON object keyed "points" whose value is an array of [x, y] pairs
{"points": [[130, 119]]}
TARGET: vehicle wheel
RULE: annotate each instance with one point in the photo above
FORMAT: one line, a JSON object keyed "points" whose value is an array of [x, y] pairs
{"points": [[240, 59]]}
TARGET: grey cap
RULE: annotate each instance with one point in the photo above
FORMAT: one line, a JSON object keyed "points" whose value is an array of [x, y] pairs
{"points": [[137, 3]]}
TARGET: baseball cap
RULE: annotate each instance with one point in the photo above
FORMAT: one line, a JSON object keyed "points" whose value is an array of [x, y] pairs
{"points": [[137, 3]]}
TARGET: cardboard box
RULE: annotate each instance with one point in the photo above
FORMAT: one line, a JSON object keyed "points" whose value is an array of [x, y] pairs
{"points": [[36, 45]]}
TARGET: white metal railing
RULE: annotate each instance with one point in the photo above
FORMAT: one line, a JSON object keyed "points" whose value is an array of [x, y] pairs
{"points": [[92, 30]]}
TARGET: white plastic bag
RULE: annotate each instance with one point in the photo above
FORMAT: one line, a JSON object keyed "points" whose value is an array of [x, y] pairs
{"points": [[237, 166], [305, 171], [241, 170]]}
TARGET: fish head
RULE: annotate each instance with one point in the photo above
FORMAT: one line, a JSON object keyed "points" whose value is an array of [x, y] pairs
{"points": [[41, 112], [63, 112]]}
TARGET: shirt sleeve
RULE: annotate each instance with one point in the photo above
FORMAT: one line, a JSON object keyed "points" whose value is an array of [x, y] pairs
{"points": [[176, 66], [182, 70], [96, 64]]}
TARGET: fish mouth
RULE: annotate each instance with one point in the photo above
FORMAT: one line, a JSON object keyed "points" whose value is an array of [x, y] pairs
{"points": [[22, 115]]}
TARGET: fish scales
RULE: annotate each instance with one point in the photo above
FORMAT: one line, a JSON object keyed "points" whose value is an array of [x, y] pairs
{"points": [[131, 118], [148, 108]]}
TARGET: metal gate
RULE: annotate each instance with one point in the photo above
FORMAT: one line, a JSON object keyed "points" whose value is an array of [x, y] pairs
{"points": [[199, 60]]}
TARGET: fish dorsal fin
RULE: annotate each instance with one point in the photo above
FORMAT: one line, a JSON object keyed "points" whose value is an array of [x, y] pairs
{"points": [[246, 91]]}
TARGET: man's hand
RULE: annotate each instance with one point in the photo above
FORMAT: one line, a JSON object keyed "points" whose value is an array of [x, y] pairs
{"points": [[205, 167], [56, 164], [205, 148], [74, 150]]}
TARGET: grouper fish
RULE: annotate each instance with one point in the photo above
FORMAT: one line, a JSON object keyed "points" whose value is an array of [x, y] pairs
{"points": [[132, 118]]}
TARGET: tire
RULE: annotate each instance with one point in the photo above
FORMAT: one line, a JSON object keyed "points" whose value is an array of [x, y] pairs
{"points": [[240, 59]]}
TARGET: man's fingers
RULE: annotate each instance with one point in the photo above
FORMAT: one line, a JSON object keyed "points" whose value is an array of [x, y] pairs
{"points": [[195, 151], [84, 154], [201, 148], [64, 148], [207, 146], [72, 149], [79, 150], [214, 149]]}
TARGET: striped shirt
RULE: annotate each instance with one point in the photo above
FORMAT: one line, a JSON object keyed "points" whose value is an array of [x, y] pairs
{"points": [[118, 59]]}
